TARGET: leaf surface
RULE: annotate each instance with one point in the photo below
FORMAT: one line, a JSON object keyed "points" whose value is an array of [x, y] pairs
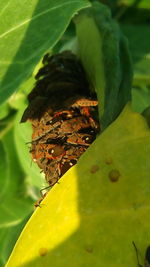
{"points": [[139, 34], [3, 170], [140, 99], [140, 4], [105, 57], [14, 206], [100, 206], [32, 29]]}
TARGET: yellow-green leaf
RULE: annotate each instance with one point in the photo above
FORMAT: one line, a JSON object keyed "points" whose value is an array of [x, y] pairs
{"points": [[99, 207]]}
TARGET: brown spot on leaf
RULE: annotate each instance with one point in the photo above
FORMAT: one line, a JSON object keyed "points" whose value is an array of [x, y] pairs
{"points": [[43, 251], [94, 169], [114, 175], [89, 249], [109, 161]]}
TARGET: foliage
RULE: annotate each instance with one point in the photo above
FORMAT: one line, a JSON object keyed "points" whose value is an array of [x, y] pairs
{"points": [[107, 49], [34, 29], [94, 223]]}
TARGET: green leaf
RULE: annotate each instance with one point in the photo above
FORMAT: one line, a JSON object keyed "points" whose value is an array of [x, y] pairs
{"points": [[139, 34], [100, 206], [8, 238], [32, 29], [4, 110], [3, 170], [146, 114], [105, 56], [145, 4], [14, 205], [140, 99], [14, 210], [14, 175], [2, 237]]}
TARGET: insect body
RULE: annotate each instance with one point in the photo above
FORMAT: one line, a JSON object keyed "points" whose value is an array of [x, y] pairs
{"points": [[63, 115]]}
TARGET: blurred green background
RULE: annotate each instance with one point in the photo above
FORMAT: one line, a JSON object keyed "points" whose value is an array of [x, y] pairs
{"points": [[20, 179]]}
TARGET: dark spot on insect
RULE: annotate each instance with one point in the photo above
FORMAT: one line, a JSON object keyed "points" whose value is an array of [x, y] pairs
{"points": [[49, 122], [114, 175], [73, 162], [94, 169], [60, 140], [43, 251], [65, 167], [67, 146], [54, 120], [49, 161], [88, 130], [56, 151], [50, 151], [109, 161], [88, 139], [53, 181]]}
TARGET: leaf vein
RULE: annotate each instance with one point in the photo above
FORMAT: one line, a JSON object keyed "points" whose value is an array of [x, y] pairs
{"points": [[2, 11], [35, 17]]}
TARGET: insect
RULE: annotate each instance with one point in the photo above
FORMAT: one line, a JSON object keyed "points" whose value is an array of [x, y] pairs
{"points": [[63, 112], [147, 256], [38, 202]]}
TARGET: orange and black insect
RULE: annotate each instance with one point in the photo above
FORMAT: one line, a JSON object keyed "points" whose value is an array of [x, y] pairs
{"points": [[63, 113]]}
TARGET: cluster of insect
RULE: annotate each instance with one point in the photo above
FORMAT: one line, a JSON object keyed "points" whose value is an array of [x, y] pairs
{"points": [[63, 114]]}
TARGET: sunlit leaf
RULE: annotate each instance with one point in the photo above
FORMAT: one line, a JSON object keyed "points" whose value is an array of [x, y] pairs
{"points": [[99, 207]]}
